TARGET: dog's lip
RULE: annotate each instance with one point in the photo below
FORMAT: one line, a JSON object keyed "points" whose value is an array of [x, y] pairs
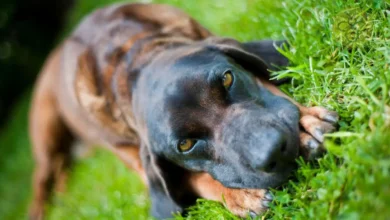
{"points": [[293, 142], [285, 167], [282, 175], [293, 149]]}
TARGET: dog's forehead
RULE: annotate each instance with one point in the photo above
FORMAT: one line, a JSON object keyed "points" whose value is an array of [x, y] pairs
{"points": [[189, 56], [186, 88], [185, 76], [201, 56], [196, 78], [192, 97]]}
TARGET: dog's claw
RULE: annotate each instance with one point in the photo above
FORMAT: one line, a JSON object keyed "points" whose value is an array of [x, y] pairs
{"points": [[319, 135], [266, 203], [313, 144], [268, 196], [332, 117], [315, 153], [252, 214], [310, 147], [315, 122], [267, 200]]}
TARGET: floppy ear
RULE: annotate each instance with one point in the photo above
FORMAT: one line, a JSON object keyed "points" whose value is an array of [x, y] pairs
{"points": [[258, 57], [266, 49], [167, 183]]}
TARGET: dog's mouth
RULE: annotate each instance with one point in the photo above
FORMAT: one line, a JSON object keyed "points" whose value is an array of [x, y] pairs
{"points": [[281, 172], [282, 167]]}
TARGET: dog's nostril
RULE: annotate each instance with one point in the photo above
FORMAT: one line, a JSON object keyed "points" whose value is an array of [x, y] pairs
{"points": [[270, 166], [283, 148]]}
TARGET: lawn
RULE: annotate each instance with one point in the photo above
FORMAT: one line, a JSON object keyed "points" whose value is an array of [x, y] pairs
{"points": [[340, 57]]}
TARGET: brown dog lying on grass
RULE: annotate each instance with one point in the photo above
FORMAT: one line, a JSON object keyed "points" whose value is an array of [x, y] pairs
{"points": [[195, 115]]}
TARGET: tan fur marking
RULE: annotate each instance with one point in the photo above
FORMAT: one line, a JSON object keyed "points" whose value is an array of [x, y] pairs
{"points": [[130, 156], [238, 201]]}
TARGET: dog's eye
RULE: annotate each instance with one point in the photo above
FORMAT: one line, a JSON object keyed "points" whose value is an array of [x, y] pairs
{"points": [[227, 79], [186, 145]]}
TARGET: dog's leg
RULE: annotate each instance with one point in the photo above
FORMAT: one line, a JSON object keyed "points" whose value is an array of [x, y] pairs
{"points": [[315, 122], [241, 202], [51, 142], [51, 147]]}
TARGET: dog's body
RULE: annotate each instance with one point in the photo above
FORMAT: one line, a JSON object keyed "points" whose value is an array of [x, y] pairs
{"points": [[132, 78]]}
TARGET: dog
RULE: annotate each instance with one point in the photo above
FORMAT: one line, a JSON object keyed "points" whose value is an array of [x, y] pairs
{"points": [[194, 114]]}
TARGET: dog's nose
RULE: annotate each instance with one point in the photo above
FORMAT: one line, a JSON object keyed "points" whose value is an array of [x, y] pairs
{"points": [[271, 153]]}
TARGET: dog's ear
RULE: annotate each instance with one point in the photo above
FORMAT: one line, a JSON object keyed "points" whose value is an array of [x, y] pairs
{"points": [[162, 202], [87, 91], [167, 185], [259, 57]]}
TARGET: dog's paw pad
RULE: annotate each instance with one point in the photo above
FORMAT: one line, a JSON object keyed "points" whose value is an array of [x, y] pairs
{"points": [[252, 214]]}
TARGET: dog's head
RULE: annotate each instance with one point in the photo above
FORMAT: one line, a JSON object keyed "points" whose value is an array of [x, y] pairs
{"points": [[204, 109]]}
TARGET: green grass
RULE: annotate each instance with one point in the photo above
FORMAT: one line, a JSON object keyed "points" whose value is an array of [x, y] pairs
{"points": [[340, 59], [102, 187], [15, 165]]}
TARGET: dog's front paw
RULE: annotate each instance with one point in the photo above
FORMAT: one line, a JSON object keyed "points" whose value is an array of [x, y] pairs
{"points": [[315, 122], [244, 202]]}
